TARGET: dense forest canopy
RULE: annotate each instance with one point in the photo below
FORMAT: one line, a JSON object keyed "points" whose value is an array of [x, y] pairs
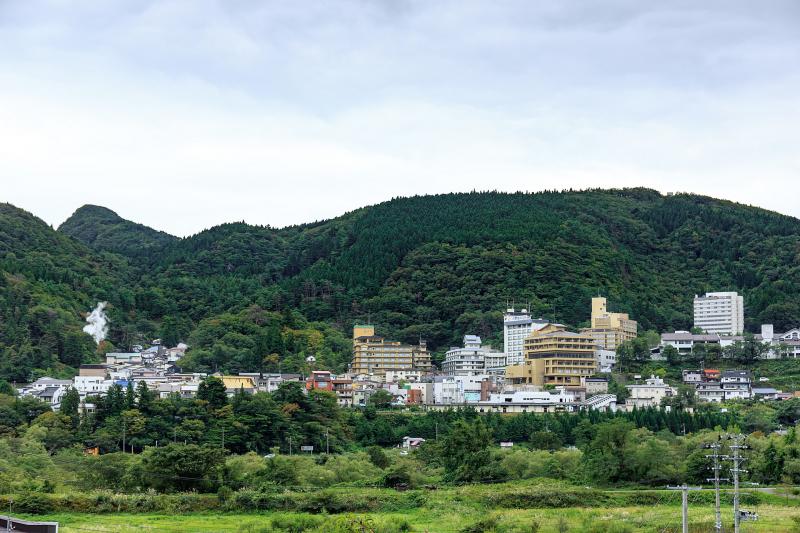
{"points": [[434, 267]]}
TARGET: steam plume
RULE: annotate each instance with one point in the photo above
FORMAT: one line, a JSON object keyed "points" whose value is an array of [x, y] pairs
{"points": [[97, 323]]}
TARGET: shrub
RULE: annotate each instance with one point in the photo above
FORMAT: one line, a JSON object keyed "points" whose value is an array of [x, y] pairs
{"points": [[295, 523], [378, 457], [483, 525], [224, 494], [33, 503], [397, 478]]}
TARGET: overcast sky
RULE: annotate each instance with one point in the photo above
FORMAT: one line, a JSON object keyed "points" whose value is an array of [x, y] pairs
{"points": [[185, 114]]}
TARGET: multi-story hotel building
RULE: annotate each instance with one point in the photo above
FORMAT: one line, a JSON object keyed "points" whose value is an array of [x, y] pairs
{"points": [[473, 359], [517, 325], [373, 355], [609, 330], [719, 312], [555, 356]]}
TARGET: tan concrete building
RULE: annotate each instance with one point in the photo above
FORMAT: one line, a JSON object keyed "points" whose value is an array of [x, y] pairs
{"points": [[555, 356], [373, 355], [609, 330]]}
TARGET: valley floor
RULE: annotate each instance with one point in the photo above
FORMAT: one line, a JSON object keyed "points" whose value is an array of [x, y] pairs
{"points": [[656, 519]]}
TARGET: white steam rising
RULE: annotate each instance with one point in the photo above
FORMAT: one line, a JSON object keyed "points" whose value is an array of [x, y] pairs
{"points": [[97, 323]]}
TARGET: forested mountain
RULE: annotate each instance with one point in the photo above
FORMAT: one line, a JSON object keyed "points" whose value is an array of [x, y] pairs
{"points": [[431, 266], [47, 280], [104, 230]]}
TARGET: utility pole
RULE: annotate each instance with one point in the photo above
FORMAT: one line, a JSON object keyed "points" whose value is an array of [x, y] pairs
{"points": [[327, 443], [736, 468], [124, 427], [716, 479], [684, 504]]}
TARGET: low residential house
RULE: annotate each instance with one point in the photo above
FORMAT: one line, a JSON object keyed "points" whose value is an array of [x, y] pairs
{"points": [[781, 345], [648, 394], [237, 384], [363, 389], [606, 360], [51, 396], [737, 384], [594, 386], [269, 382], [710, 391], [165, 390], [412, 442], [420, 393], [692, 377], [685, 341], [343, 389], [766, 393], [47, 389], [129, 358], [414, 397], [319, 379], [98, 371], [92, 385]]}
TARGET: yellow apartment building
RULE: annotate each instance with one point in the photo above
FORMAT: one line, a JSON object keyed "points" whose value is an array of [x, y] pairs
{"points": [[375, 355], [555, 356], [609, 330]]}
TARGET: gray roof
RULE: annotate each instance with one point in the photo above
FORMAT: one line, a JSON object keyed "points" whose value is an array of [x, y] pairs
{"points": [[764, 390], [681, 336], [735, 374], [52, 381]]}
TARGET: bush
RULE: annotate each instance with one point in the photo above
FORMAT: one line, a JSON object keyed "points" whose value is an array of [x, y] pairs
{"points": [[295, 523], [483, 525], [378, 457], [397, 478], [33, 503], [224, 494]]}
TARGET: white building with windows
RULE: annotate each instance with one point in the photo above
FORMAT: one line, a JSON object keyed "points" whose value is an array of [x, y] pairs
{"points": [[472, 359], [648, 394], [737, 384], [517, 326], [606, 359], [719, 312]]}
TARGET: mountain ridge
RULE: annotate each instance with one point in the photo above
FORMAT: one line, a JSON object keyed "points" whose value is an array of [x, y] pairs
{"points": [[435, 267]]}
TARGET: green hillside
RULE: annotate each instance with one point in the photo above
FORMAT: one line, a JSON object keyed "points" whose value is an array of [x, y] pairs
{"points": [[430, 266], [103, 229], [48, 282]]}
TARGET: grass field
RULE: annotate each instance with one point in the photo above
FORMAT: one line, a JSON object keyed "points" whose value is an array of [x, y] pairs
{"points": [[520, 507], [660, 518]]}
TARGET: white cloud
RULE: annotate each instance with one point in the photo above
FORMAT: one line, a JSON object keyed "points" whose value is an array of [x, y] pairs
{"points": [[183, 115]]}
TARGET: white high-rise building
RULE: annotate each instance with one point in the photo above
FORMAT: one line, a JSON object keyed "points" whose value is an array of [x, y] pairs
{"points": [[517, 326], [472, 359], [719, 312]]}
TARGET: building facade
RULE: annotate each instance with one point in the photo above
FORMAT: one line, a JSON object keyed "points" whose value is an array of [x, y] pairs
{"points": [[373, 355], [648, 394], [719, 312], [555, 356], [609, 330], [517, 325], [470, 360]]}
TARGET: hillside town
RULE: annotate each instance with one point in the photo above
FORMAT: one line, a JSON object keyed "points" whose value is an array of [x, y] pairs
{"points": [[543, 367]]}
